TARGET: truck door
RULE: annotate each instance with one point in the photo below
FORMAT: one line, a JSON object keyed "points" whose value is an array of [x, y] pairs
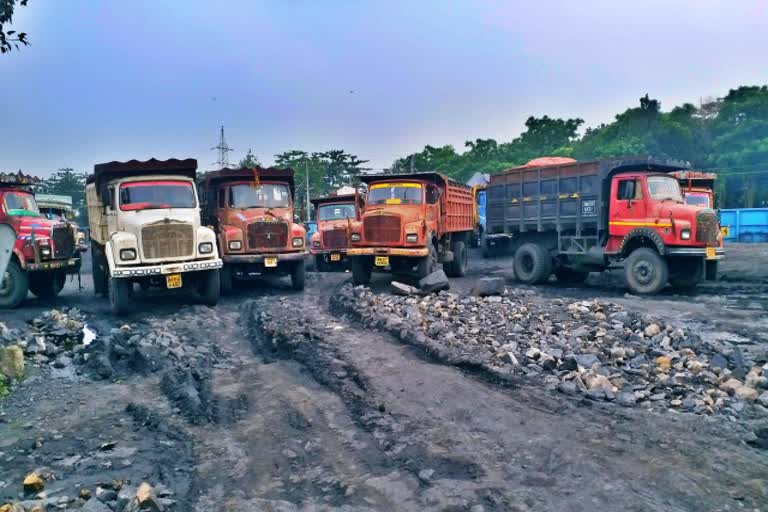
{"points": [[628, 208]]}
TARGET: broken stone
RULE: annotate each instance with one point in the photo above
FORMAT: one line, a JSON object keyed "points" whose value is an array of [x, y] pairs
{"points": [[434, 282], [404, 289], [33, 483], [12, 362], [488, 286], [652, 330]]}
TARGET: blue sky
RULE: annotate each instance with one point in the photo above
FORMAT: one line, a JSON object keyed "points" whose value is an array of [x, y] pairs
{"points": [[121, 79]]}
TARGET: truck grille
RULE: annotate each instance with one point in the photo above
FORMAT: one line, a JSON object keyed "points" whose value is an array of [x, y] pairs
{"points": [[707, 227], [382, 228], [63, 241], [167, 241], [267, 234], [335, 239]]}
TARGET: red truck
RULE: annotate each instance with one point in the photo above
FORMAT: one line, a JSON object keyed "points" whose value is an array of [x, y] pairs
{"points": [[698, 187], [329, 244], [579, 217], [39, 252], [411, 224], [251, 211]]}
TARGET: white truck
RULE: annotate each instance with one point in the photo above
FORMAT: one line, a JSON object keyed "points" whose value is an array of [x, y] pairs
{"points": [[145, 227]]}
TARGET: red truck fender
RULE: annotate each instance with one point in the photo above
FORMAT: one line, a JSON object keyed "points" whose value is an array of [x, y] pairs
{"points": [[638, 233]]}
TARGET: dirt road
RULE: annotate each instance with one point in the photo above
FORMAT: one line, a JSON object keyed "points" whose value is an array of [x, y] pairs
{"points": [[300, 407]]}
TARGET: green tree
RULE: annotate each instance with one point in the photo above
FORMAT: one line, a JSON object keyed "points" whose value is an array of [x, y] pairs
{"points": [[249, 161], [10, 39]]}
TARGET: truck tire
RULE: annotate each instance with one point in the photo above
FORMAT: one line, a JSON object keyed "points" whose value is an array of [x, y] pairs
{"points": [[298, 272], [457, 267], [485, 250], [14, 286], [47, 285], [120, 295], [209, 287], [685, 275], [428, 264], [532, 264], [320, 265], [710, 270], [569, 276], [99, 272], [361, 270], [225, 280], [645, 271]]}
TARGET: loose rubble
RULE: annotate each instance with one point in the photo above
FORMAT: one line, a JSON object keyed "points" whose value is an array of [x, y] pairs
{"points": [[593, 349]]}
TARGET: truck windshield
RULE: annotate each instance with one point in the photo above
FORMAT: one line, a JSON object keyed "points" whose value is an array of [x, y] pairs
{"points": [[21, 204], [663, 187], [259, 196], [395, 193], [335, 211], [153, 195], [697, 199]]}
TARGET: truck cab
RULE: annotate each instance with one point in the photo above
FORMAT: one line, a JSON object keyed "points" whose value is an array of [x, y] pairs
{"points": [[697, 187], [145, 228], [44, 250], [329, 243], [59, 207], [411, 224], [251, 211]]}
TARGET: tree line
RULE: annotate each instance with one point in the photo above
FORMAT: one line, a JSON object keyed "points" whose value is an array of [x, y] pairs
{"points": [[728, 136]]}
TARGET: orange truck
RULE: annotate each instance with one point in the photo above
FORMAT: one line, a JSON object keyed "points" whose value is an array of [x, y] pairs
{"points": [[410, 224], [697, 187], [329, 244], [251, 211]]}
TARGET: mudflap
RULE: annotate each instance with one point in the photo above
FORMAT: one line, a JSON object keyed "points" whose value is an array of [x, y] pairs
{"points": [[7, 239]]}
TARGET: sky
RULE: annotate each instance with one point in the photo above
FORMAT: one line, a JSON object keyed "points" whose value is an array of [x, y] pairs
{"points": [[122, 79]]}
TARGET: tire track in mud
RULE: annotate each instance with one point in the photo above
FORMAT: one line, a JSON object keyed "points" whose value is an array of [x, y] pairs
{"points": [[469, 443]]}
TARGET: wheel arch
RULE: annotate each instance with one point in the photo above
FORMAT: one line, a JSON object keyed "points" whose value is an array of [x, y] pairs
{"points": [[641, 237]]}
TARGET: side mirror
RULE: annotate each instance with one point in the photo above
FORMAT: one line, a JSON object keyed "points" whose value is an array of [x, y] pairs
{"points": [[296, 219]]}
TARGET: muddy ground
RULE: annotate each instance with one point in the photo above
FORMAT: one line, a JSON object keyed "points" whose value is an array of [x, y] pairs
{"points": [[299, 407]]}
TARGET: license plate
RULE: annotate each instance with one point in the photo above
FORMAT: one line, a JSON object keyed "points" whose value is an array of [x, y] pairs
{"points": [[711, 254], [335, 257], [382, 261], [726, 231], [270, 262], [173, 281]]}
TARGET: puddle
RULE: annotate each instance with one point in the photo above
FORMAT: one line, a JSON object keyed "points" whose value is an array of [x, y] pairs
{"points": [[88, 335]]}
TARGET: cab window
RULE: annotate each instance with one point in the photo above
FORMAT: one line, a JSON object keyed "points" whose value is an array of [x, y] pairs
{"points": [[629, 190]]}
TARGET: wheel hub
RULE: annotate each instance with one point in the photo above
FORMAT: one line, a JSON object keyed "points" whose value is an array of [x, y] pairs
{"points": [[644, 272]]}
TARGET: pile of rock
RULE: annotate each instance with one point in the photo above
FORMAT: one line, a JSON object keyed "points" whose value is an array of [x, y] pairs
{"points": [[594, 349], [114, 496]]}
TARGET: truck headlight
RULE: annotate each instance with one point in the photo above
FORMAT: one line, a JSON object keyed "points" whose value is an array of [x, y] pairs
{"points": [[45, 251], [685, 234], [316, 244], [412, 238], [355, 237], [298, 241], [205, 248], [235, 245], [127, 254]]}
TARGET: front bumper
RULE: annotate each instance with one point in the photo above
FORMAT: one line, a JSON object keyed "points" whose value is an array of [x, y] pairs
{"points": [[52, 265], [259, 258], [319, 252], [167, 268], [416, 252], [695, 251]]}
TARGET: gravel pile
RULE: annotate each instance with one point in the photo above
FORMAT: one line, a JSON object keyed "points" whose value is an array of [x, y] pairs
{"points": [[593, 349]]}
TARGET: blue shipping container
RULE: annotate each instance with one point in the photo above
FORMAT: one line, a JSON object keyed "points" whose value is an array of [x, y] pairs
{"points": [[748, 225]]}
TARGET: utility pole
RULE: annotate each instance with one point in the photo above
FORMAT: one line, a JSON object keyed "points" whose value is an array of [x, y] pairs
{"points": [[411, 164], [306, 174], [223, 149]]}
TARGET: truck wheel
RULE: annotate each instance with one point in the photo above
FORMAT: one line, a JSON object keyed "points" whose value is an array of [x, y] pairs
{"points": [[532, 264], [485, 249], [14, 286], [458, 267], [98, 272], [686, 274], [427, 264], [710, 270], [120, 295], [298, 273], [209, 287], [47, 285], [320, 263], [645, 271], [225, 280], [570, 276], [361, 270]]}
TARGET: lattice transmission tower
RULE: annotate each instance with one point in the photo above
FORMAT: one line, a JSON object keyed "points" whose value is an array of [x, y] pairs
{"points": [[224, 150]]}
